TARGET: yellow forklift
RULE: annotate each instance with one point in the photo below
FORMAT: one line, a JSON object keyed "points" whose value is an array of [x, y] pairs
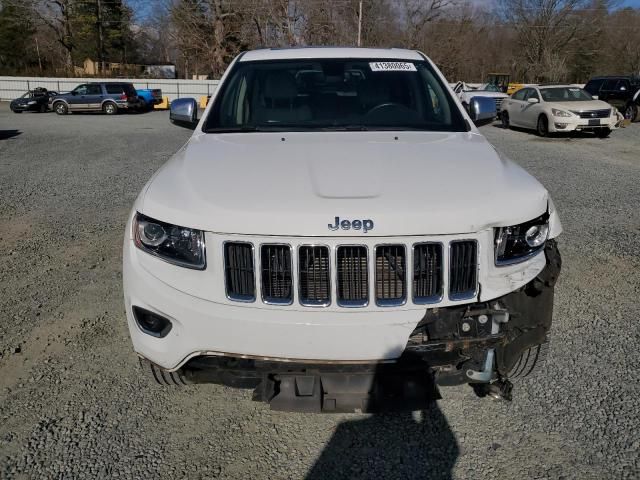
{"points": [[502, 82]]}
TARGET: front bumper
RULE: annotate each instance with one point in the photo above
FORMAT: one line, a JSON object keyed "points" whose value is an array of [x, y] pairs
{"points": [[575, 124], [441, 351]]}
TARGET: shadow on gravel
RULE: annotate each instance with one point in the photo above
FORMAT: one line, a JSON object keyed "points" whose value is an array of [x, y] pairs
{"points": [[6, 134], [417, 444]]}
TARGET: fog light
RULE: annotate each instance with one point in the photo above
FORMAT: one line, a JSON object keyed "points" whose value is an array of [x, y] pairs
{"points": [[152, 323], [560, 125]]}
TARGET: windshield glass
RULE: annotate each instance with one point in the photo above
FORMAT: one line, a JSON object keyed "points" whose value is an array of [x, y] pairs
{"points": [[333, 94], [564, 94]]}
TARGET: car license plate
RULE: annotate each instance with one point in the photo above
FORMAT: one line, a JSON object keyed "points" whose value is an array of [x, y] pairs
{"points": [[595, 121]]}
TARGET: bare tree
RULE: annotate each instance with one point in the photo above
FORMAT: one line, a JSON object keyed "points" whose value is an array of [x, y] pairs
{"points": [[546, 29]]}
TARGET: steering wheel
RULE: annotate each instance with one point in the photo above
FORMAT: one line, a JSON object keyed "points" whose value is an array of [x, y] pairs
{"points": [[386, 105]]}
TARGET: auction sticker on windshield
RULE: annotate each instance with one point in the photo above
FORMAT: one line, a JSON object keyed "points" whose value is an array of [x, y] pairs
{"points": [[392, 67]]}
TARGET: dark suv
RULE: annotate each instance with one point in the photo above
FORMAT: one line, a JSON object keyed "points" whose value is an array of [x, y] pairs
{"points": [[107, 97], [623, 92]]}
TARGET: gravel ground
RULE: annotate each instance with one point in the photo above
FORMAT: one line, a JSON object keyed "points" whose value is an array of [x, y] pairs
{"points": [[74, 404]]}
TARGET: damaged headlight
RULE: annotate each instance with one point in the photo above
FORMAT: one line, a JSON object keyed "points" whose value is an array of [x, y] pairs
{"points": [[178, 245], [517, 243]]}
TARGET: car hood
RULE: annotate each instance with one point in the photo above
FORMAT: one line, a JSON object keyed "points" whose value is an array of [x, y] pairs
{"points": [[295, 184], [580, 106]]}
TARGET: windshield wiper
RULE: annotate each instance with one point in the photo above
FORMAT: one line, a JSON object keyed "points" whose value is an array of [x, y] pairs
{"points": [[345, 128], [240, 129]]}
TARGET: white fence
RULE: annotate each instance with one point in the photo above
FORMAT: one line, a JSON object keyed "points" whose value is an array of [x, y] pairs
{"points": [[12, 87]]}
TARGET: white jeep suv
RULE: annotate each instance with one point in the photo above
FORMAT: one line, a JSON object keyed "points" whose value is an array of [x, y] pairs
{"points": [[338, 235]]}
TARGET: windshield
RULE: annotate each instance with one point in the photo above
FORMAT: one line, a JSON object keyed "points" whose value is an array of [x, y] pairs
{"points": [[333, 94], [564, 94]]}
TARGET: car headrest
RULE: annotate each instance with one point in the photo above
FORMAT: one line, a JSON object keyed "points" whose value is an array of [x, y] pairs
{"points": [[280, 86]]}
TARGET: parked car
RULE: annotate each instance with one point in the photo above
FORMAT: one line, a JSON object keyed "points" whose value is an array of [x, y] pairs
{"points": [[489, 90], [36, 100], [148, 97], [107, 97], [558, 108], [623, 92], [336, 234]]}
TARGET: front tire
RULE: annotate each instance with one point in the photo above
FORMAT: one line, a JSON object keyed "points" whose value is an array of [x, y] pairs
{"points": [[61, 108], [530, 359], [110, 108], [631, 112], [543, 126], [504, 118]]}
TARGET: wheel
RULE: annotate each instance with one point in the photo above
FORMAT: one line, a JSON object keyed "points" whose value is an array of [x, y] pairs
{"points": [[528, 361], [543, 126], [603, 132], [504, 117], [110, 108], [631, 112], [61, 108]]}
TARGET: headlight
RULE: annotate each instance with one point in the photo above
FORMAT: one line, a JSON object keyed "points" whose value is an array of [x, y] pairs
{"points": [[559, 113], [178, 245], [517, 243]]}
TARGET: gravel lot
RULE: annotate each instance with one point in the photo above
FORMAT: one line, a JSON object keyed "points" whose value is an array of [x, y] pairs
{"points": [[74, 404]]}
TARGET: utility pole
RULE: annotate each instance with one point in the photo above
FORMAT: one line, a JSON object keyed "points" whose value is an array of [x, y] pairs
{"points": [[360, 24], [38, 50], [100, 36]]}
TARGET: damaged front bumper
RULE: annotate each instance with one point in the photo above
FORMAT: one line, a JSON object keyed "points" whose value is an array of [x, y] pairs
{"points": [[479, 344]]}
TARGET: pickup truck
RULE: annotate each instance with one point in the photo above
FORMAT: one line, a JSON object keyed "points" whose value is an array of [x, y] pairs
{"points": [[465, 93], [338, 235], [148, 97]]}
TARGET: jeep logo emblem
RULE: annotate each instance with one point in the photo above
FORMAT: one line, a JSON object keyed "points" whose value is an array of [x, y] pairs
{"points": [[364, 225]]}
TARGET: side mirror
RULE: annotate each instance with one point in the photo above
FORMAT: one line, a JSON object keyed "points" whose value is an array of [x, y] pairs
{"points": [[595, 97], [482, 110], [74, 93], [533, 100], [184, 113]]}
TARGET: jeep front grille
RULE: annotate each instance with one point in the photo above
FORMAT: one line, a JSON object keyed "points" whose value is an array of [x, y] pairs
{"points": [[391, 274], [276, 274], [314, 277], [352, 276], [427, 273], [239, 272], [391, 278], [463, 269]]}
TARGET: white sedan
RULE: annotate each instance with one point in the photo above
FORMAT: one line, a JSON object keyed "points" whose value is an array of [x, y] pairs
{"points": [[558, 108]]}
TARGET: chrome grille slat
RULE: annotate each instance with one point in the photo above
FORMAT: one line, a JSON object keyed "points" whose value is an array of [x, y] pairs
{"points": [[390, 275], [239, 271], [276, 274], [427, 273], [314, 282], [463, 269], [352, 275]]}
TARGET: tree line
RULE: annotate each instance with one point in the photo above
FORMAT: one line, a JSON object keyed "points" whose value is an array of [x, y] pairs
{"points": [[533, 40]]}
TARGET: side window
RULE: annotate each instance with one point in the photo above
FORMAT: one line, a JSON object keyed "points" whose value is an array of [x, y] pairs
{"points": [[114, 89], [610, 84], [94, 89], [623, 85], [81, 89], [519, 95], [593, 86], [533, 93]]}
